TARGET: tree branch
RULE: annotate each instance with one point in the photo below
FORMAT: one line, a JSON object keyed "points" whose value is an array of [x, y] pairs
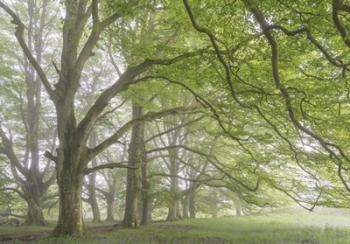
{"points": [[213, 161], [123, 129], [19, 36], [8, 150], [122, 84], [122, 164]]}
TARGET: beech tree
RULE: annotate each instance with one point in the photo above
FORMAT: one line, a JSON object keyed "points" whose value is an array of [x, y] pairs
{"points": [[73, 154], [258, 110], [32, 178]]}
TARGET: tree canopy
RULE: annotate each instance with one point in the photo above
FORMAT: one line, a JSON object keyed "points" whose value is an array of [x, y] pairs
{"points": [[168, 109]]}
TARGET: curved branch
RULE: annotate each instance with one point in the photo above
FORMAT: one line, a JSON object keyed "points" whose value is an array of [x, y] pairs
{"points": [[123, 129], [213, 161]]}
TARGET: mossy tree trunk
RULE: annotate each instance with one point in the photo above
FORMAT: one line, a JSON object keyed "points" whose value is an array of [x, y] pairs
{"points": [[70, 221]]}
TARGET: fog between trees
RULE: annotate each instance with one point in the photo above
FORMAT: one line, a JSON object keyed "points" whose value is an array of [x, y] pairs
{"points": [[134, 111]]}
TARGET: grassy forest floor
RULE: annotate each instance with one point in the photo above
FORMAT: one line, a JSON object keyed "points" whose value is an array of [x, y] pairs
{"points": [[284, 228]]}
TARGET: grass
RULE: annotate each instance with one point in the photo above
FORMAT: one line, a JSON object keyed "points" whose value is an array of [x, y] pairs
{"points": [[22, 230], [260, 229]]}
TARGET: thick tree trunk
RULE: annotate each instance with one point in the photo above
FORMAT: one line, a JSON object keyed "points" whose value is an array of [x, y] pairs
{"points": [[32, 194], [70, 220], [35, 214], [133, 177]]}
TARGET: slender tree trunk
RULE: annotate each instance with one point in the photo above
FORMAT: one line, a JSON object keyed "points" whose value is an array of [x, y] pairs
{"points": [[92, 185], [178, 209], [185, 207], [172, 211], [133, 178], [191, 205], [110, 208], [95, 210], [146, 215], [146, 211], [238, 211]]}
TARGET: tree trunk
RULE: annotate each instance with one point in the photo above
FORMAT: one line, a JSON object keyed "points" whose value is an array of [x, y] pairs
{"points": [[178, 209], [238, 211], [110, 210], [95, 211], [191, 206], [92, 184], [146, 215], [146, 211], [185, 207], [34, 213], [172, 211], [133, 178], [70, 220]]}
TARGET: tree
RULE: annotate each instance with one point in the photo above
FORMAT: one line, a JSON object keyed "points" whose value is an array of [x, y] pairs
{"points": [[133, 182], [25, 162], [73, 154]]}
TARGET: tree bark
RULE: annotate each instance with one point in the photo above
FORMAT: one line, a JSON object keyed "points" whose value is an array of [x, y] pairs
{"points": [[70, 221], [191, 206], [171, 211], [110, 208], [109, 195], [91, 186], [92, 200], [185, 207], [146, 210], [146, 216], [34, 213], [174, 191], [133, 177]]}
